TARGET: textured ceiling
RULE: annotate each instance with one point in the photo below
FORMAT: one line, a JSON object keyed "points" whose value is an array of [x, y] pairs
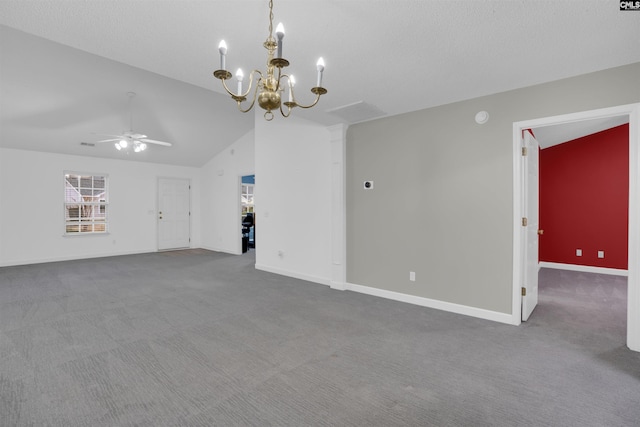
{"points": [[392, 56], [548, 136]]}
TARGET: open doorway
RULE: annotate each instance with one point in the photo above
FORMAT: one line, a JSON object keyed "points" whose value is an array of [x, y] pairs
{"points": [[584, 195], [247, 209], [631, 113], [583, 213]]}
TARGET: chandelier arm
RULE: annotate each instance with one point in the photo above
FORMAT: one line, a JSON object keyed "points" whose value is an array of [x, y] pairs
{"points": [[253, 101], [311, 105], [224, 84], [289, 105]]}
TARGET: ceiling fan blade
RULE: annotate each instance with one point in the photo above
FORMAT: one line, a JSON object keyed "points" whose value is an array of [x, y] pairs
{"points": [[152, 141], [108, 140], [108, 134]]}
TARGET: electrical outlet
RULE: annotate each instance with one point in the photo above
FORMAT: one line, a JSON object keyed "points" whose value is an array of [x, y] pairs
{"points": [[412, 276], [600, 254], [578, 252]]}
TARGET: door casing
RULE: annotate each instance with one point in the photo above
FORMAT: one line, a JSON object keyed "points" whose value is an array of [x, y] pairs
{"points": [[187, 243], [530, 206], [632, 111]]}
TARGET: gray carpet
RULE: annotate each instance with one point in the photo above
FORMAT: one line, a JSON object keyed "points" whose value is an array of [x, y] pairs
{"points": [[198, 338]]}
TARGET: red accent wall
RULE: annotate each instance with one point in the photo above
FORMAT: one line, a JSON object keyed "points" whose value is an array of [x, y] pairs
{"points": [[584, 200]]}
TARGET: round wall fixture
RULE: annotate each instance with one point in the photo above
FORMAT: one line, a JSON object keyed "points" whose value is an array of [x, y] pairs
{"points": [[482, 117]]}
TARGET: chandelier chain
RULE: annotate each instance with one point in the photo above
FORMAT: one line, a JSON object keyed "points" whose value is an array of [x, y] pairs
{"points": [[271, 18]]}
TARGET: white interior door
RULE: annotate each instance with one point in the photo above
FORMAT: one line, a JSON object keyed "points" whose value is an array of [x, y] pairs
{"points": [[530, 225], [174, 213]]}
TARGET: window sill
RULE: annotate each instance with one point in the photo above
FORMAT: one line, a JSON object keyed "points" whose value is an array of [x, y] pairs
{"points": [[105, 233]]}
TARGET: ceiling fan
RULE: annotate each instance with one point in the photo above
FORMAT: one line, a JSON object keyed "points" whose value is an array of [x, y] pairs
{"points": [[130, 140]]}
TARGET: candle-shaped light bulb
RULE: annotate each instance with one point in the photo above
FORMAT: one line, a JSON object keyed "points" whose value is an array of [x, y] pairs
{"points": [[320, 67], [292, 83], [240, 77], [280, 36], [222, 48]]}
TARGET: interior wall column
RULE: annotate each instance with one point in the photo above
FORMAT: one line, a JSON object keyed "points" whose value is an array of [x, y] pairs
{"points": [[338, 207]]}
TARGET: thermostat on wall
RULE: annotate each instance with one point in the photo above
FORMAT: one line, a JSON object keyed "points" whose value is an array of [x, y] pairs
{"points": [[368, 185]]}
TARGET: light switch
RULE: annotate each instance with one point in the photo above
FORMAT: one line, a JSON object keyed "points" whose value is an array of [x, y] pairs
{"points": [[578, 252], [600, 254]]}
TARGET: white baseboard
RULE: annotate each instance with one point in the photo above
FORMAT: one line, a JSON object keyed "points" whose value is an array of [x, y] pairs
{"points": [[225, 251], [431, 303], [294, 274], [71, 258], [584, 268], [338, 286]]}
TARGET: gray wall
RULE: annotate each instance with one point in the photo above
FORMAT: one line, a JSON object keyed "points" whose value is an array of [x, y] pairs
{"points": [[442, 199]]}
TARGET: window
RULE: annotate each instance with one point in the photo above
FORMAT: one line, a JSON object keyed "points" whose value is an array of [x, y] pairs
{"points": [[247, 199], [85, 203]]}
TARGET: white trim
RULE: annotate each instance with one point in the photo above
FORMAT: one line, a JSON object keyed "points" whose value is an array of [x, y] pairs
{"points": [[583, 268], [517, 260], [238, 221], [106, 203], [188, 180], [225, 251], [338, 286], [75, 257], [294, 274], [633, 272], [633, 263], [431, 303], [338, 207]]}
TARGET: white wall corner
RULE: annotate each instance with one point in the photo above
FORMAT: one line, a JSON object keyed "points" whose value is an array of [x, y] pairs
{"points": [[337, 140]]}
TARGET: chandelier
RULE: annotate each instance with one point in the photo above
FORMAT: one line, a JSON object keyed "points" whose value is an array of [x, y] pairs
{"points": [[268, 87]]}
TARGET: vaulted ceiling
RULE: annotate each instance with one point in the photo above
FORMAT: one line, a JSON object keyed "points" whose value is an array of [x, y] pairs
{"points": [[68, 64]]}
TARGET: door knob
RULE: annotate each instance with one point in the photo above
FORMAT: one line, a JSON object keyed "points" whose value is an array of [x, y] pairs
{"points": [[541, 232]]}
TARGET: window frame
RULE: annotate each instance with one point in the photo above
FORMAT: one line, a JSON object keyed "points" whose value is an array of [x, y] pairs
{"points": [[92, 216], [247, 198]]}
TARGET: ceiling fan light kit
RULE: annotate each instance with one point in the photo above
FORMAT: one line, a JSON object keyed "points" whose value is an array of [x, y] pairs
{"points": [[268, 87], [129, 140], [138, 146]]}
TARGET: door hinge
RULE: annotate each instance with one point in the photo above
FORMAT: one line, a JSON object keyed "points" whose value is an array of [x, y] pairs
{"points": [[524, 221], [524, 291], [524, 151]]}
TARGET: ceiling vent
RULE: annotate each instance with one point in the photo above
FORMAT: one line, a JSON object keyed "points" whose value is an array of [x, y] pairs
{"points": [[357, 112]]}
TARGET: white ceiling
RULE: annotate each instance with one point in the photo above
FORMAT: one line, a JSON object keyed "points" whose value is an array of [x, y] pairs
{"points": [[389, 56], [548, 136]]}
